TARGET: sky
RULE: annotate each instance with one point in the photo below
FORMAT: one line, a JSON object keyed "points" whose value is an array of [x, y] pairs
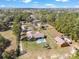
{"points": [[39, 3]]}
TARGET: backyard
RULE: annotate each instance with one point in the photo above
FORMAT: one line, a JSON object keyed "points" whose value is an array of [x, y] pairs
{"points": [[35, 50]]}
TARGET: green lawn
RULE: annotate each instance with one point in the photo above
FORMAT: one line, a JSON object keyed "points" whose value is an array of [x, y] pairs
{"points": [[32, 46], [75, 57]]}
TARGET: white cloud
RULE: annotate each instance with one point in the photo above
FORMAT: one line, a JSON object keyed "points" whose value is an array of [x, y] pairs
{"points": [[50, 5], [2, 5], [26, 1], [62, 0]]}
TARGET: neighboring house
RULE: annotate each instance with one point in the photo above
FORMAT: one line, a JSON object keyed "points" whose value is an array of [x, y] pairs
{"points": [[23, 37], [32, 16], [68, 40], [61, 42], [44, 26], [23, 22], [29, 35], [10, 24], [29, 29], [36, 23], [23, 28]]}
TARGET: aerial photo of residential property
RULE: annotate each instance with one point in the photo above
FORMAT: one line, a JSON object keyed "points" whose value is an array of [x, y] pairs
{"points": [[39, 29]]}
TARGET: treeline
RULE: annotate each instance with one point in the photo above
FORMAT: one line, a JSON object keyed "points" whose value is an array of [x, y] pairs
{"points": [[64, 22], [68, 23]]}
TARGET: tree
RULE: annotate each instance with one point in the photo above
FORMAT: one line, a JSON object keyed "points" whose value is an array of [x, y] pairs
{"points": [[17, 29], [9, 55], [3, 44], [3, 26], [68, 24], [16, 26]]}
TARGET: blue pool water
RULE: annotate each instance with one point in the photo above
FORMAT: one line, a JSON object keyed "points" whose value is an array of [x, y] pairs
{"points": [[40, 41]]}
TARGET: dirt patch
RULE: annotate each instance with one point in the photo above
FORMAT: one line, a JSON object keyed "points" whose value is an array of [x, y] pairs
{"points": [[9, 35]]}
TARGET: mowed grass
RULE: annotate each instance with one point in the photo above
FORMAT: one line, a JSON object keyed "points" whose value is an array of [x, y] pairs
{"points": [[75, 57], [32, 46]]}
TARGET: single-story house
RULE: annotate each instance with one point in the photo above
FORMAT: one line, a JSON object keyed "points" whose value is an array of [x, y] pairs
{"points": [[61, 42], [35, 35], [38, 35]]}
